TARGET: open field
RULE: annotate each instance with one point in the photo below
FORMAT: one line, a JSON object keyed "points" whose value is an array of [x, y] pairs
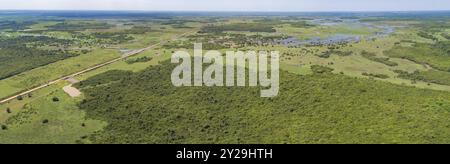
{"points": [[97, 56], [43, 120]]}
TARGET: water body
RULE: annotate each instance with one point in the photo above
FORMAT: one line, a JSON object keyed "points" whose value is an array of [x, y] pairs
{"points": [[336, 39], [340, 38]]}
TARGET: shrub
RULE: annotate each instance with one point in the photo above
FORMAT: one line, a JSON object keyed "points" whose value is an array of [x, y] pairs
{"points": [[139, 60], [251, 27], [325, 55], [380, 76], [55, 99], [373, 57], [321, 69]]}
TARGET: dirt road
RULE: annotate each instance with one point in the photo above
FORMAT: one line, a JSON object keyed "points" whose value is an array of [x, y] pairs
{"points": [[129, 54]]}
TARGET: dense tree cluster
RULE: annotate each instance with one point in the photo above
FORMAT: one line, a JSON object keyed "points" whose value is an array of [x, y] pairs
{"points": [[226, 41], [436, 55], [34, 41], [78, 26], [444, 46], [250, 27], [427, 36], [15, 25], [113, 38], [296, 23], [321, 69], [430, 76], [380, 76], [446, 36], [139, 60], [434, 26], [25, 53], [110, 37], [328, 53], [179, 23], [145, 107], [373, 57], [138, 30]]}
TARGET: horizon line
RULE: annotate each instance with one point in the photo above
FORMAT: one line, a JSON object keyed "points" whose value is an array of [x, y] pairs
{"points": [[227, 11]]}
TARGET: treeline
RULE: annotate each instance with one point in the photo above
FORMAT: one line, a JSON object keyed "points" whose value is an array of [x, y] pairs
{"points": [[446, 36], [190, 45], [178, 23], [111, 37], [250, 27], [373, 57], [436, 55], [78, 26], [444, 46], [139, 60], [427, 36], [430, 76], [327, 54], [434, 26], [18, 59], [35, 41], [380, 76], [321, 69], [138, 30], [292, 21], [104, 78], [226, 41], [431, 28], [15, 25]]}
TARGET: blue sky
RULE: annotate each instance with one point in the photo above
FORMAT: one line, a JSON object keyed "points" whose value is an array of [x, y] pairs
{"points": [[229, 5]]}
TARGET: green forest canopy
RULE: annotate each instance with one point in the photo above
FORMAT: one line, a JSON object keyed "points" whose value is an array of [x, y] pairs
{"points": [[144, 107]]}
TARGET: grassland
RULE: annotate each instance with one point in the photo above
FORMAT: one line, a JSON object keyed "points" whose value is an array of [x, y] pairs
{"points": [[39, 119]]}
